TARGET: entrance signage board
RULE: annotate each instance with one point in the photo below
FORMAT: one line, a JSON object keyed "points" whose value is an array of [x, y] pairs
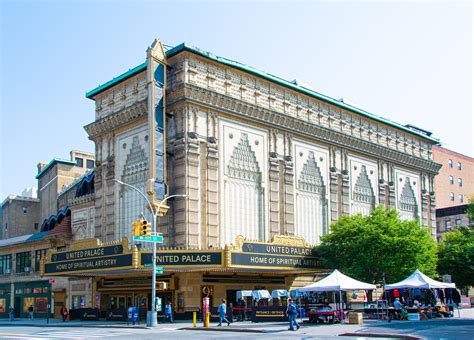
{"points": [[262, 260], [87, 253], [108, 262], [285, 253], [185, 258]]}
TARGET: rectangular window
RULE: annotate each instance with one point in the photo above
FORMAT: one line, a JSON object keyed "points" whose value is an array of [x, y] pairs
{"points": [[23, 262], [451, 196], [459, 166], [89, 164], [36, 226], [451, 180], [39, 254], [458, 221], [79, 162], [447, 224], [450, 162], [461, 198], [460, 182], [5, 264]]}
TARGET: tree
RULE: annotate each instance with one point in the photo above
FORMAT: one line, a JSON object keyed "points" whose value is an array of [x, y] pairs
{"points": [[456, 256], [380, 244], [470, 210]]}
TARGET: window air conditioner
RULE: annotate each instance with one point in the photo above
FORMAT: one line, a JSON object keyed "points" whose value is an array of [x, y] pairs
{"points": [[27, 269]]}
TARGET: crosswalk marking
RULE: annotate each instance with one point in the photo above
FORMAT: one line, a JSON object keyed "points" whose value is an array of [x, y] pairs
{"points": [[70, 334]]}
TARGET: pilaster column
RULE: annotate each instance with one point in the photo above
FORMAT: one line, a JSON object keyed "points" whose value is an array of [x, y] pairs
{"points": [[274, 192], [345, 192], [212, 193], [392, 203], [289, 194], [193, 186], [289, 221]]}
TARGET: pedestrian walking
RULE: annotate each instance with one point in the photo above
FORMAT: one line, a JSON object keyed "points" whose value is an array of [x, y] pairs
{"points": [[292, 311], [169, 312], [63, 313], [222, 310], [30, 312], [11, 313]]}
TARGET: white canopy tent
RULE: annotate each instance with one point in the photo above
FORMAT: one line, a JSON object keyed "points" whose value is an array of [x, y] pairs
{"points": [[243, 294], [336, 281], [261, 294], [419, 280], [279, 293]]}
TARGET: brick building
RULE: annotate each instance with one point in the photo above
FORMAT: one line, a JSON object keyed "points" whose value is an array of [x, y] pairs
{"points": [[20, 216], [454, 184]]}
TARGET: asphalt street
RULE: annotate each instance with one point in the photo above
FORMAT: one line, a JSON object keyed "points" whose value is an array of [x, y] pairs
{"points": [[453, 328]]}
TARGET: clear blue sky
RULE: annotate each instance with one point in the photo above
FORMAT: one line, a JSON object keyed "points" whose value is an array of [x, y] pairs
{"points": [[410, 62]]}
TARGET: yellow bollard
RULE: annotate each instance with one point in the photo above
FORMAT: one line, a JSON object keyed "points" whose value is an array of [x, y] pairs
{"points": [[194, 319], [208, 319]]}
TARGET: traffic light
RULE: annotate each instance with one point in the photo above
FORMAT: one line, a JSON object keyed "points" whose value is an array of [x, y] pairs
{"points": [[145, 228], [136, 228]]}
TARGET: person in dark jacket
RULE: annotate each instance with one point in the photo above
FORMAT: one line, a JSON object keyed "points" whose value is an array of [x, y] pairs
{"points": [[30, 312], [241, 305], [63, 313]]}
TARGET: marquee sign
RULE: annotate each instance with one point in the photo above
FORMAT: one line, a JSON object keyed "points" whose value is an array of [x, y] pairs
{"points": [[88, 256], [87, 253], [285, 252], [190, 258]]}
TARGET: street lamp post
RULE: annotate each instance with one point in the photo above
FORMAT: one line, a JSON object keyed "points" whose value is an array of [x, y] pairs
{"points": [[152, 317]]}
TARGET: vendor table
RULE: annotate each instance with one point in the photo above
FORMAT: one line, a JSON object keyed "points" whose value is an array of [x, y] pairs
{"points": [[326, 316]]}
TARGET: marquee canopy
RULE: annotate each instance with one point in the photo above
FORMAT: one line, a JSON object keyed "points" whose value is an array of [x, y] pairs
{"points": [[419, 280], [336, 281]]}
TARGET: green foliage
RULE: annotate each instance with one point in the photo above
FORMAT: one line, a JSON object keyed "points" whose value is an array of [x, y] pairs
{"points": [[367, 247], [470, 209], [456, 256]]}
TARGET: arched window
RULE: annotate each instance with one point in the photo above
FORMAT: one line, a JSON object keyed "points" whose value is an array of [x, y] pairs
{"points": [[408, 207]]}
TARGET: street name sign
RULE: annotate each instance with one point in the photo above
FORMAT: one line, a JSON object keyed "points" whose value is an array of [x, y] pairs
{"points": [[155, 238]]}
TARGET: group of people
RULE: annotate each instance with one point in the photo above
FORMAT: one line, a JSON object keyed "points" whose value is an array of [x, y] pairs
{"points": [[291, 312]]}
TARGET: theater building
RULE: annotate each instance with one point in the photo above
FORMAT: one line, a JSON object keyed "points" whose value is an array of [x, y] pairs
{"points": [[266, 164]]}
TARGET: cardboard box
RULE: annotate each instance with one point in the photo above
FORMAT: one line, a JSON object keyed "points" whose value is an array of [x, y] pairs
{"points": [[355, 318]]}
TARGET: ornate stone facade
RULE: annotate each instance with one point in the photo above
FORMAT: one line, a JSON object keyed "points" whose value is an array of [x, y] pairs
{"points": [[257, 156]]}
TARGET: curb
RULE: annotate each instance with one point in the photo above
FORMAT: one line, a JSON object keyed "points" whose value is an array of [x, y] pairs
{"points": [[380, 335], [71, 325], [226, 329]]}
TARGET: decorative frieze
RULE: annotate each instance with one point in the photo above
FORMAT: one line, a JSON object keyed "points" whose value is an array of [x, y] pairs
{"points": [[272, 96], [218, 101]]}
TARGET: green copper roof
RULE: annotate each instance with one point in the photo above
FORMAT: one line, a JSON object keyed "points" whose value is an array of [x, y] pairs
{"points": [[52, 163], [185, 47]]}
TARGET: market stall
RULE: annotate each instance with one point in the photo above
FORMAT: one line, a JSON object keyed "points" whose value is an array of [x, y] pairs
{"points": [[422, 296], [280, 297], [335, 282]]}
